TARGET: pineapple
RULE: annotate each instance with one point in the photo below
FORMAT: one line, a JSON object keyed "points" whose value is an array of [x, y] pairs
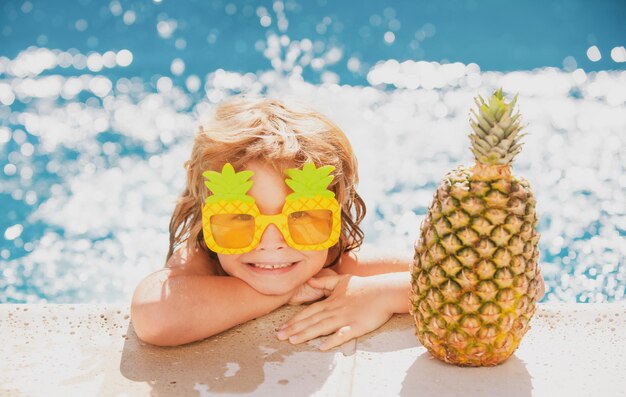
{"points": [[474, 277]]}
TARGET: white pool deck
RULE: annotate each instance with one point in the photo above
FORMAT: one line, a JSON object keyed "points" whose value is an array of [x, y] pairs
{"points": [[92, 350]]}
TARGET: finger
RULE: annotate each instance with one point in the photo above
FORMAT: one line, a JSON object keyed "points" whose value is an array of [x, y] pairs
{"points": [[296, 325], [325, 272], [311, 310], [325, 282], [322, 327], [343, 335]]}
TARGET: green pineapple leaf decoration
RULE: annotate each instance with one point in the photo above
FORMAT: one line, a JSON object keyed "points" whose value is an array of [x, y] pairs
{"points": [[228, 185], [309, 181]]}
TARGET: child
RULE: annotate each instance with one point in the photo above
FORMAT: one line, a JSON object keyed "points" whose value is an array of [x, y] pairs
{"points": [[257, 155]]}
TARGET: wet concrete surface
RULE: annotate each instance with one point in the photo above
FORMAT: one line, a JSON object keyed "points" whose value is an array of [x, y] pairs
{"points": [[62, 349]]}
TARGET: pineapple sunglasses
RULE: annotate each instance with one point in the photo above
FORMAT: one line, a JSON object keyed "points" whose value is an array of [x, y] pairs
{"points": [[232, 223]]}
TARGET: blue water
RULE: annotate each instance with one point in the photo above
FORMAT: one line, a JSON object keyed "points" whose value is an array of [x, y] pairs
{"points": [[91, 147], [497, 35]]}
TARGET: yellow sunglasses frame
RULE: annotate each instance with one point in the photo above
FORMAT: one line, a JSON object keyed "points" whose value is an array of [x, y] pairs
{"points": [[262, 221]]}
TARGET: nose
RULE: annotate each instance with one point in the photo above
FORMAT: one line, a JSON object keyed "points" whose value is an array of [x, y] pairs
{"points": [[272, 239]]}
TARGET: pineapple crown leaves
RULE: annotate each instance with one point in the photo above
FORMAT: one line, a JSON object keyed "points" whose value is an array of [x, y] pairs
{"points": [[228, 185], [496, 135], [309, 181]]}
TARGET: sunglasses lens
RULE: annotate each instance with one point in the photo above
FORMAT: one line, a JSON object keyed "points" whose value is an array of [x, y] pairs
{"points": [[310, 227], [232, 230]]}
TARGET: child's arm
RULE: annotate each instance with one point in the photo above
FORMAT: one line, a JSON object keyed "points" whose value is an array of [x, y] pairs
{"points": [[365, 294], [371, 263], [185, 302]]}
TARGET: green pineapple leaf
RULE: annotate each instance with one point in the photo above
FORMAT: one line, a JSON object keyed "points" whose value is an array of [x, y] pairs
{"points": [[495, 129], [309, 181], [228, 185]]}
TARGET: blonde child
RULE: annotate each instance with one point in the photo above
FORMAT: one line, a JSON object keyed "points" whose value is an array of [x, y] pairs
{"points": [[201, 292]]}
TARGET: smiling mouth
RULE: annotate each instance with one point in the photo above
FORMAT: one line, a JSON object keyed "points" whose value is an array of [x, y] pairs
{"points": [[280, 265]]}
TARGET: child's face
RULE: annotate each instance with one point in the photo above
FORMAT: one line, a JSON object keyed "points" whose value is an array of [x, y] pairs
{"points": [[269, 191]]}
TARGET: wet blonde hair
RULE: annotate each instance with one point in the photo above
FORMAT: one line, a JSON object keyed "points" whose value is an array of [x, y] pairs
{"points": [[243, 130]]}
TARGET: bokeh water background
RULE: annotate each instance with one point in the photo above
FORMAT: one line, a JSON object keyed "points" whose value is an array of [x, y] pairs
{"points": [[99, 102]]}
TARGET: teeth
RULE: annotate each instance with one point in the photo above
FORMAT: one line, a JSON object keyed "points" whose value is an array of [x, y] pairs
{"points": [[272, 266]]}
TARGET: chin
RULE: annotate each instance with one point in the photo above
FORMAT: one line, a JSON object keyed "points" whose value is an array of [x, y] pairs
{"points": [[273, 289]]}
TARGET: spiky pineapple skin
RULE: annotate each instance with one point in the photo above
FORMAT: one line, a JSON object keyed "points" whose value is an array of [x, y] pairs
{"points": [[475, 280]]}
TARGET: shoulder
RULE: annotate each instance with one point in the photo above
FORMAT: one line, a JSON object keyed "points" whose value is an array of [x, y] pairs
{"points": [[193, 262]]}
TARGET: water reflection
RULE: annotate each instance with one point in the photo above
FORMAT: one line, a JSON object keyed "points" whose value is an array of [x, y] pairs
{"points": [[91, 154]]}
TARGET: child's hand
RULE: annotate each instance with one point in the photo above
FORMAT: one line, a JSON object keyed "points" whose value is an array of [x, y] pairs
{"points": [[355, 306], [308, 293]]}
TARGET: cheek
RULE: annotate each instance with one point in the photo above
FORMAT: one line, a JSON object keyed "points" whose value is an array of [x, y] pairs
{"points": [[228, 262], [318, 257]]}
